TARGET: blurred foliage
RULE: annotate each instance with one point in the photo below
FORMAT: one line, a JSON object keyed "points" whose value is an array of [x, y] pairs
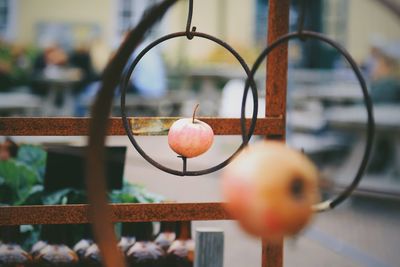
{"points": [[132, 193], [17, 182], [16, 64], [21, 183], [34, 156], [65, 196]]}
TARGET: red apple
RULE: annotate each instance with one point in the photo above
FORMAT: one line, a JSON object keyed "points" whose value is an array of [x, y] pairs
{"points": [[270, 189], [190, 137]]}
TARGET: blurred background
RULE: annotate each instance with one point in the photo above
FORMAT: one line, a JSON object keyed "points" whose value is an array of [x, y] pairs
{"points": [[52, 54]]}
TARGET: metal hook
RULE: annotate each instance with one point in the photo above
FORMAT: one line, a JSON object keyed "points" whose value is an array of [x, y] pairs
{"points": [[184, 159], [301, 20], [189, 28]]}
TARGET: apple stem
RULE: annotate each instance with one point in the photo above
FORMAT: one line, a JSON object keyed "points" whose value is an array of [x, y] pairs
{"points": [[194, 111]]}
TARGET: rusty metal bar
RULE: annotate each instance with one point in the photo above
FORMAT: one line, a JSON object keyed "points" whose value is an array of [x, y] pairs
{"points": [[78, 214], [277, 64], [141, 126], [275, 106], [272, 254]]}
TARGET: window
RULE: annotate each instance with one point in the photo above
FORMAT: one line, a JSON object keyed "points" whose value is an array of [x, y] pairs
{"points": [[125, 15], [4, 16], [335, 19], [129, 13], [261, 20], [7, 18]]}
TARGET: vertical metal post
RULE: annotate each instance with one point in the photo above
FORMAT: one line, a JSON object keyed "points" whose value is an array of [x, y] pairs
{"points": [[272, 254], [209, 248], [277, 64], [275, 106]]}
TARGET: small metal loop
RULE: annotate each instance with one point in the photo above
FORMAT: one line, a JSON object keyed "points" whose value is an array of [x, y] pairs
{"points": [[250, 83], [330, 204], [189, 29]]}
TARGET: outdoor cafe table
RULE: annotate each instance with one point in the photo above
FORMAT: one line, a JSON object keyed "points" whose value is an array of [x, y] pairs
{"points": [[345, 92], [354, 119], [19, 103], [59, 84]]}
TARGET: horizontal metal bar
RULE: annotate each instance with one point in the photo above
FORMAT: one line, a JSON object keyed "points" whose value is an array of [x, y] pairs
{"points": [[78, 214], [140, 125]]}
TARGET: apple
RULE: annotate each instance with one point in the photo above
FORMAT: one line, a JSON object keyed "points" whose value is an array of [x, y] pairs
{"points": [[190, 137], [271, 189]]}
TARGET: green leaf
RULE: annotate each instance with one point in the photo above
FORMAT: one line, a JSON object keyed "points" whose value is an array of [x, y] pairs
{"points": [[34, 156], [152, 197], [30, 234], [18, 179], [76, 197], [133, 193], [7, 195], [34, 196], [56, 197], [65, 196]]}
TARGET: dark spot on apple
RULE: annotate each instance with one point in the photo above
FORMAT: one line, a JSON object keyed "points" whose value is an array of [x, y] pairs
{"points": [[297, 188]]}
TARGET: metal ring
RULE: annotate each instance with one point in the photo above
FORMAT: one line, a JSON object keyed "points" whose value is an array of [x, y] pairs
{"points": [[249, 83], [330, 204]]}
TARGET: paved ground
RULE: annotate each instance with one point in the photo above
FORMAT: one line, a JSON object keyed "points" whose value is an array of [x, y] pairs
{"points": [[360, 234], [363, 233]]}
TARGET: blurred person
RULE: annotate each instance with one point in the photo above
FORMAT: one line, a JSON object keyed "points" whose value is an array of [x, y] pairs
{"points": [[22, 64], [8, 150], [80, 58], [48, 64], [376, 42], [5, 67], [53, 55], [385, 74], [14, 66], [100, 53], [384, 90], [148, 80], [149, 77]]}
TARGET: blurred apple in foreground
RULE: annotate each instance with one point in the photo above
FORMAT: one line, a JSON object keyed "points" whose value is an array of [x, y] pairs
{"points": [[190, 137], [270, 189]]}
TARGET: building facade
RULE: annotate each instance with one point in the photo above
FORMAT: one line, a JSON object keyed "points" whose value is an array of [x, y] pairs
{"points": [[241, 23]]}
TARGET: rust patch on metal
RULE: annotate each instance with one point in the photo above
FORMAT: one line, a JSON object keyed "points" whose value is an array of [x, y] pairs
{"points": [[277, 63], [78, 214], [156, 126], [140, 126]]}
